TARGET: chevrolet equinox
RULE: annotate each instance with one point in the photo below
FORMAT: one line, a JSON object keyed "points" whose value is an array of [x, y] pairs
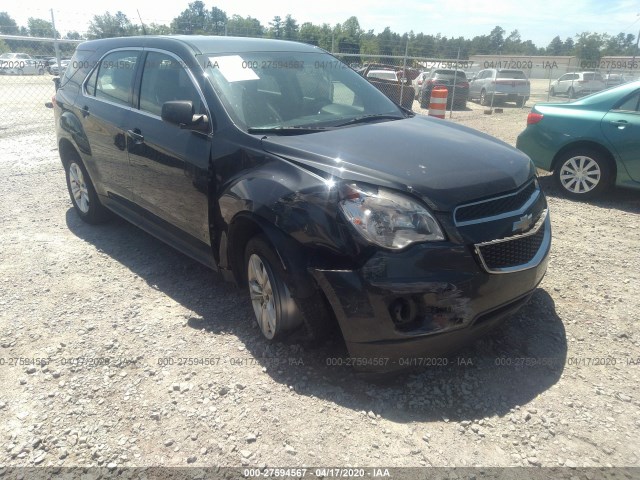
{"points": [[280, 167]]}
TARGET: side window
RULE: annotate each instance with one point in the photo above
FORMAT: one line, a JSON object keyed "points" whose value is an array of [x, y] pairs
{"points": [[164, 79], [115, 76], [90, 86], [631, 104]]}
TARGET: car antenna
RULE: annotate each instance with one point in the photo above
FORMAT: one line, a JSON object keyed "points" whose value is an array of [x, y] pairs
{"points": [[144, 30]]}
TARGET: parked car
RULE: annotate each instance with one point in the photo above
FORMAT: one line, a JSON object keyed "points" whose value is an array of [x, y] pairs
{"points": [[589, 144], [455, 81], [20, 64], [391, 81], [613, 79], [577, 84], [494, 85], [283, 169], [56, 69], [417, 83], [383, 74]]}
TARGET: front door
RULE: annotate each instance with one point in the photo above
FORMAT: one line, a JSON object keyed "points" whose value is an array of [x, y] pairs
{"points": [[169, 166]]}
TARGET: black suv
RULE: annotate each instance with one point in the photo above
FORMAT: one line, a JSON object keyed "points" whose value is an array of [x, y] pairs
{"points": [[455, 81], [282, 168]]}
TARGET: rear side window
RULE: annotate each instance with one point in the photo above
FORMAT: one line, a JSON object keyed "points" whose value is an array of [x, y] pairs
{"points": [[115, 77], [164, 79], [78, 67], [512, 74], [631, 104], [593, 76]]}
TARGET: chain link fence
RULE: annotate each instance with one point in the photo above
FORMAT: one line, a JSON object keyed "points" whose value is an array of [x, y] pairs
{"points": [[27, 72], [26, 77]]}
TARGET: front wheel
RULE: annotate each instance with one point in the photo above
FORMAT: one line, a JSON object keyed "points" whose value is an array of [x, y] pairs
{"points": [[583, 174], [83, 194], [275, 309]]}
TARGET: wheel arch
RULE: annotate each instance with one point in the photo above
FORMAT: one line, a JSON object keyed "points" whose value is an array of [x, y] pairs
{"points": [[67, 151], [247, 225], [586, 144]]}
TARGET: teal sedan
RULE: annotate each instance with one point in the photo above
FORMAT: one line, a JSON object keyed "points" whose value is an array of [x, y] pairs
{"points": [[589, 144]]}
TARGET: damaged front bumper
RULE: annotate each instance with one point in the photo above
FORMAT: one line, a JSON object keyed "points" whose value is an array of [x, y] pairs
{"points": [[426, 301]]}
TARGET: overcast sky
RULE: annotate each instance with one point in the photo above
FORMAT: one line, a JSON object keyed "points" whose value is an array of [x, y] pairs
{"points": [[536, 20]]}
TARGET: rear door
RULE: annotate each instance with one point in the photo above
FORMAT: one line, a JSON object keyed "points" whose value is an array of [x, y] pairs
{"points": [[621, 126], [169, 165]]}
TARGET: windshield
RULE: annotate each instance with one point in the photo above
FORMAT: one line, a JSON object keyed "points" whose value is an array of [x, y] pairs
{"points": [[293, 89], [450, 75], [512, 74]]}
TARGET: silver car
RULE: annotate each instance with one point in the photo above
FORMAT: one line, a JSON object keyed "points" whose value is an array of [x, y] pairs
{"points": [[576, 84], [494, 85], [20, 64]]}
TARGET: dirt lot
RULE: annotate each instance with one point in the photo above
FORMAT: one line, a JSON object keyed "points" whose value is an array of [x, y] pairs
{"points": [[154, 361]]}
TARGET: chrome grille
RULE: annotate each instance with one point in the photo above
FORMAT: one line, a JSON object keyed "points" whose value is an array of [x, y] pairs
{"points": [[517, 252], [496, 206]]}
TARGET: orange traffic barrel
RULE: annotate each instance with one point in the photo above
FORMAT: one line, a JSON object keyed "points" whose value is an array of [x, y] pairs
{"points": [[438, 102]]}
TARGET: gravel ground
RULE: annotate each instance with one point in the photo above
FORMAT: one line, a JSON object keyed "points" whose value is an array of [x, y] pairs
{"points": [[154, 361]]}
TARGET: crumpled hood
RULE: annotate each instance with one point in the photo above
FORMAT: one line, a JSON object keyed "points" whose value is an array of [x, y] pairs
{"points": [[444, 163]]}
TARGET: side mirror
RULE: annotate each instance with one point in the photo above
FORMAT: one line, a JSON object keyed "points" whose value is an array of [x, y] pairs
{"points": [[180, 112]]}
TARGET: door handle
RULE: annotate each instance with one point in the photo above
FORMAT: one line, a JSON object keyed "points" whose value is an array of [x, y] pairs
{"points": [[136, 135], [621, 124]]}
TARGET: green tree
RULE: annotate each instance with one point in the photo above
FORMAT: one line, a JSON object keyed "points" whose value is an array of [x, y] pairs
{"points": [[496, 40], [555, 47], [275, 27], [8, 25], [290, 28], [589, 46], [244, 27], [217, 21], [41, 28], [157, 29], [107, 25], [194, 20]]}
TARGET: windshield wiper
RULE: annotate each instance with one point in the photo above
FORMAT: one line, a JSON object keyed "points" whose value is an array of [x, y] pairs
{"points": [[371, 118], [294, 130]]}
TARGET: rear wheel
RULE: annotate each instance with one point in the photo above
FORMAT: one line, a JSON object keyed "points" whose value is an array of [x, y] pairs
{"points": [[521, 101], [484, 99], [424, 102], [583, 173], [83, 194]]}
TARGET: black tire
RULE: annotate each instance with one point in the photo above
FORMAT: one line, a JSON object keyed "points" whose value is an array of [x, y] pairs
{"points": [[289, 313], [521, 101], [552, 92], [41, 71], [424, 103], [484, 100], [571, 93], [583, 173], [82, 192]]}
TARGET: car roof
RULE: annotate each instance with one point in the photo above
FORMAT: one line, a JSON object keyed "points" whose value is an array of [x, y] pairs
{"points": [[202, 44]]}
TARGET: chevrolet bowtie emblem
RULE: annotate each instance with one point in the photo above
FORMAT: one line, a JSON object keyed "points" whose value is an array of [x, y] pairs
{"points": [[523, 224]]}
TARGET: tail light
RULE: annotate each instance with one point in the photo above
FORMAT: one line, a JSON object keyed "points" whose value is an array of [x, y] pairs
{"points": [[534, 118]]}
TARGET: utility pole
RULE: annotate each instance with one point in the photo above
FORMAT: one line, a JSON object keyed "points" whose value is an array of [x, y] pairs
{"points": [[55, 42]]}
